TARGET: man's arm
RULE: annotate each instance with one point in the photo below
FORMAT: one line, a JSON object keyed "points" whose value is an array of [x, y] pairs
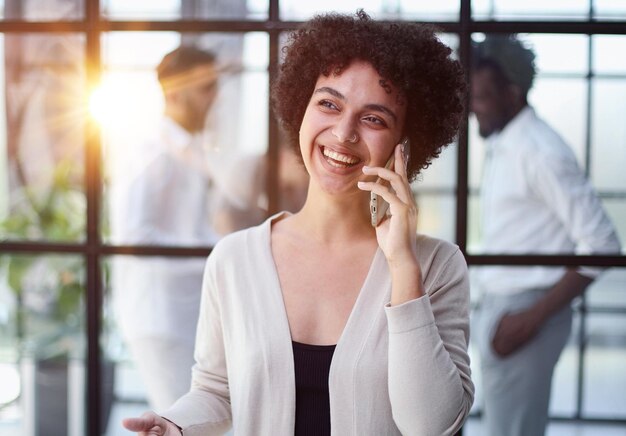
{"points": [[516, 329], [562, 187]]}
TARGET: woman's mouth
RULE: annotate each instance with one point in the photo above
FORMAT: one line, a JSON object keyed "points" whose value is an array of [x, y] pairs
{"points": [[339, 160]]}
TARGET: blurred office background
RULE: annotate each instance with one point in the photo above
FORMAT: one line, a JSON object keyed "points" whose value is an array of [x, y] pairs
{"points": [[79, 90]]}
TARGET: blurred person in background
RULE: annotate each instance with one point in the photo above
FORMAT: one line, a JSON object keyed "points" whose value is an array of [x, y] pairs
{"points": [[535, 200], [165, 200], [243, 200]]}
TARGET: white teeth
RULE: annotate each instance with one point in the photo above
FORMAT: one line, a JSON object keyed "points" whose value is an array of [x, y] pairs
{"points": [[339, 157]]}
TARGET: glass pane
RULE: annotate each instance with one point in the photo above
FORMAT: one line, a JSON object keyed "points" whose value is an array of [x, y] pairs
{"points": [[41, 10], [422, 10], [185, 10], [608, 134], [609, 9], [567, 54], [155, 162], [616, 208], [43, 130], [42, 345], [604, 376], [607, 291], [150, 308], [605, 58], [441, 173], [530, 10], [436, 214]]}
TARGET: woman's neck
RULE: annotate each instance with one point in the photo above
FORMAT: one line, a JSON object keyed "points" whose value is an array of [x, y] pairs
{"points": [[337, 218]]}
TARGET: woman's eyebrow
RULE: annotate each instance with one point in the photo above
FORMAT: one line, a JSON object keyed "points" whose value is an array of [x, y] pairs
{"points": [[381, 108], [371, 106], [330, 91]]}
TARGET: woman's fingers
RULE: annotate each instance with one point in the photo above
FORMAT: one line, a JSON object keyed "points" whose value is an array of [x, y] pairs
{"points": [[138, 424], [397, 179], [149, 421]]}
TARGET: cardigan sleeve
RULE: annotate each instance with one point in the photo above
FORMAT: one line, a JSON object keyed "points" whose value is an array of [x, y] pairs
{"points": [[430, 388], [205, 409]]}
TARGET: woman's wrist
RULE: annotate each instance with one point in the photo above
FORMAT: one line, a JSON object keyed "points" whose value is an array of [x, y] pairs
{"points": [[406, 282], [180, 430]]}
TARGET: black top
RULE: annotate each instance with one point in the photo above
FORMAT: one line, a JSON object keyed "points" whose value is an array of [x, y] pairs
{"points": [[312, 365]]}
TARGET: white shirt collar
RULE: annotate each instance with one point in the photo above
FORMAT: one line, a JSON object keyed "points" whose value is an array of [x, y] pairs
{"points": [[513, 129], [176, 136]]}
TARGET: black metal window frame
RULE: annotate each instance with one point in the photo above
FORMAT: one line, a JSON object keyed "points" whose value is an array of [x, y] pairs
{"points": [[94, 250]]}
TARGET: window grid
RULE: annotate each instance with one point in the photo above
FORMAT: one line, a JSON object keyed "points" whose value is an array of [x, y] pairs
{"points": [[93, 250]]}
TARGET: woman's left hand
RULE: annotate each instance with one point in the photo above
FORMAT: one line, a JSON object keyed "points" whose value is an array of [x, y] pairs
{"points": [[397, 233]]}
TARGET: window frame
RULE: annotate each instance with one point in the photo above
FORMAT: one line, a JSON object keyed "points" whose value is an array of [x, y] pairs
{"points": [[94, 251]]}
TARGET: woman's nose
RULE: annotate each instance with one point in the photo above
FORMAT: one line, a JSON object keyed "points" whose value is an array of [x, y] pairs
{"points": [[345, 131]]}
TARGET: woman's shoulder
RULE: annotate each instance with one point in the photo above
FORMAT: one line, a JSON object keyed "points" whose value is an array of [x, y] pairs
{"points": [[442, 264], [436, 253], [249, 242], [245, 239], [430, 244]]}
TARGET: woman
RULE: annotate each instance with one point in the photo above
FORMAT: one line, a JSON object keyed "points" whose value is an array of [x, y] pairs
{"points": [[318, 322]]}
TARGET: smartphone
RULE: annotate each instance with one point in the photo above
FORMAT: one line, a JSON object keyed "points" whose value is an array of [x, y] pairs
{"points": [[378, 206]]}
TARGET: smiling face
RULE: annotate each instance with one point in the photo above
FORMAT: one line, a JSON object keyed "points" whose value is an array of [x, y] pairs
{"points": [[350, 121]]}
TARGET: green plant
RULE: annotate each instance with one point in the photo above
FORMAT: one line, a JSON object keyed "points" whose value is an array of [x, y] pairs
{"points": [[48, 289]]}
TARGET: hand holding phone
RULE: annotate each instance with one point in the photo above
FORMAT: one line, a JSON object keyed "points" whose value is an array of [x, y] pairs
{"points": [[378, 206]]}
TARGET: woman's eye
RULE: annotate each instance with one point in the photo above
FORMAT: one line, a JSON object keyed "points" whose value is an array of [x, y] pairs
{"points": [[375, 120], [327, 104]]}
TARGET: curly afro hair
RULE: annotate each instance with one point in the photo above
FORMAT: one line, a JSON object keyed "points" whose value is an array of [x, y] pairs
{"points": [[406, 55]]}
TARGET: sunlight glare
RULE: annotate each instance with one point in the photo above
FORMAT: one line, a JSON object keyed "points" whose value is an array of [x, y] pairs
{"points": [[98, 104]]}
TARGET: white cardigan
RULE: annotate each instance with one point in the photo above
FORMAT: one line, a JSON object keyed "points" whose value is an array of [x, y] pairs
{"points": [[395, 370]]}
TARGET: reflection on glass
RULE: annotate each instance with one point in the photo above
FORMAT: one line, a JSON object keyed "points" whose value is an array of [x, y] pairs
{"points": [[229, 150], [178, 9], [608, 134], [41, 10], [42, 345], [423, 10], [530, 9], [41, 189]]}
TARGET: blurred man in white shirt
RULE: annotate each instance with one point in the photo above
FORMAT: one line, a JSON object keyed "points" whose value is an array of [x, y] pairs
{"points": [[535, 200], [166, 201]]}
